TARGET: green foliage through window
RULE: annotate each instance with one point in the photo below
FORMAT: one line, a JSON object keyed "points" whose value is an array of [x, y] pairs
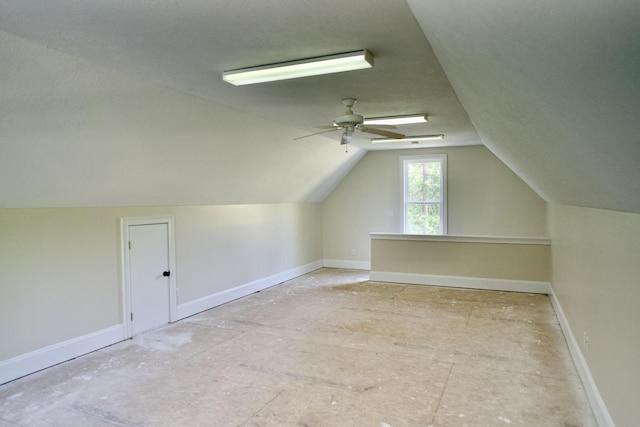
{"points": [[423, 218], [424, 195]]}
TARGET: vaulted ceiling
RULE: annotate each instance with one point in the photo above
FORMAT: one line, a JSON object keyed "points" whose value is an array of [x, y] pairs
{"points": [[121, 102]]}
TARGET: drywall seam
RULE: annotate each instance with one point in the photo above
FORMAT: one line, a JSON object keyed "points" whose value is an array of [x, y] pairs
{"points": [[597, 404], [46, 357], [526, 286]]}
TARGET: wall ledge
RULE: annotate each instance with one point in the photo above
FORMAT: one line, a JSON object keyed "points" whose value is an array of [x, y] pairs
{"points": [[461, 238]]}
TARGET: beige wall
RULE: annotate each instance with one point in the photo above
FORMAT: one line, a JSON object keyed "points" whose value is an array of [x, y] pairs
{"points": [[484, 198], [61, 266], [530, 262], [596, 277]]}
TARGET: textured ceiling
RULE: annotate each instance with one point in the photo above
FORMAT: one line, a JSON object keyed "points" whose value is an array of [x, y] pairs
{"points": [[553, 88], [186, 45], [122, 103], [108, 103]]}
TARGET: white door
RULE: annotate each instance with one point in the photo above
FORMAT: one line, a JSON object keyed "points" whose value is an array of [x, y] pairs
{"points": [[149, 275]]}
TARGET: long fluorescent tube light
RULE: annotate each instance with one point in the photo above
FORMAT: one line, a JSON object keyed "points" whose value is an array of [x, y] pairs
{"points": [[397, 120], [300, 68], [412, 139]]}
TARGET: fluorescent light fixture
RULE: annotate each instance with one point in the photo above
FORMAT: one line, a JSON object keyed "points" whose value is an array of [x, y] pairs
{"points": [[412, 139], [300, 68], [397, 120]]}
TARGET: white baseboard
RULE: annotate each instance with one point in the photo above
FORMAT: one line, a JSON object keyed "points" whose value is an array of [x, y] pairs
{"points": [[462, 282], [197, 306], [46, 357], [347, 264], [34, 361], [598, 407]]}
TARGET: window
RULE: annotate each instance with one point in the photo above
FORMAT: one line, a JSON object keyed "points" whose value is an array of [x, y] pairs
{"points": [[424, 190]]}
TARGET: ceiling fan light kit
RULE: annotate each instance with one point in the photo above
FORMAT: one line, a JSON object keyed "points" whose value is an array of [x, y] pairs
{"points": [[328, 64], [413, 139], [397, 120]]}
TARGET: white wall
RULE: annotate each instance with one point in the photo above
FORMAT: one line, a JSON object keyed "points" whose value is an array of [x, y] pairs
{"points": [[61, 266], [484, 198], [596, 278]]}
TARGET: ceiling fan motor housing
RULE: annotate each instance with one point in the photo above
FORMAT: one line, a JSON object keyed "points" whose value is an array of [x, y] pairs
{"points": [[349, 120]]}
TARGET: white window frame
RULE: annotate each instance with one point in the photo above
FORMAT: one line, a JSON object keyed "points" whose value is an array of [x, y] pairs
{"points": [[404, 161]]}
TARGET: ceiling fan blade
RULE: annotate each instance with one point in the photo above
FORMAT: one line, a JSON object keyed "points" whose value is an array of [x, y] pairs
{"points": [[381, 132], [317, 133]]}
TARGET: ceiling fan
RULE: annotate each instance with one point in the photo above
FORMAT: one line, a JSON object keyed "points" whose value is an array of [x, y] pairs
{"points": [[349, 122]]}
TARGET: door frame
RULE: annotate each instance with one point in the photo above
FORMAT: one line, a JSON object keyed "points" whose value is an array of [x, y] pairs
{"points": [[125, 223]]}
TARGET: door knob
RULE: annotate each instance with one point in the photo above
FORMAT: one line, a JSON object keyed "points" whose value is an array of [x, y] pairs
{"points": [[166, 273]]}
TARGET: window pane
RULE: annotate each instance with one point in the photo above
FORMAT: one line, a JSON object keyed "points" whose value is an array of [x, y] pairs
{"points": [[423, 219], [424, 190], [423, 182]]}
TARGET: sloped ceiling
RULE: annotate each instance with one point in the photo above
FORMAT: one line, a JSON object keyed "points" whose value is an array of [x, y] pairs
{"points": [[77, 134], [121, 102], [552, 87]]}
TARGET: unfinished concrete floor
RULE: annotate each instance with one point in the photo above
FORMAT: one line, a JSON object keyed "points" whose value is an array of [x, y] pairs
{"points": [[326, 349]]}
